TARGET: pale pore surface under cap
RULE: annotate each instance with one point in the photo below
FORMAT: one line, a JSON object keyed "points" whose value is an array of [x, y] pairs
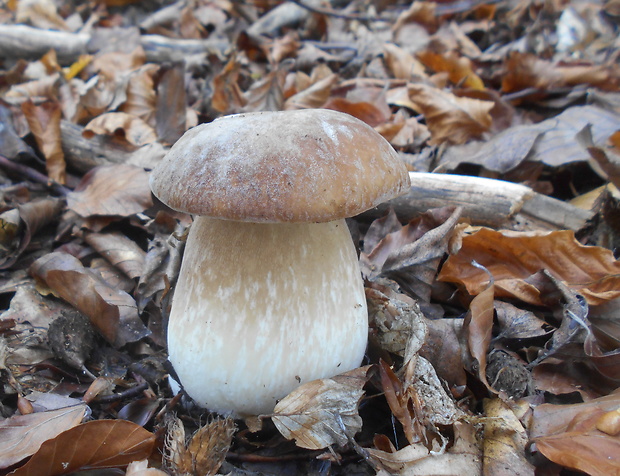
{"points": [[311, 165], [261, 308]]}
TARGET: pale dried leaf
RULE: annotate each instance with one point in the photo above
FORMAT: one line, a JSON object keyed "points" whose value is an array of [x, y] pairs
{"points": [[504, 441], [22, 435], [322, 412]]}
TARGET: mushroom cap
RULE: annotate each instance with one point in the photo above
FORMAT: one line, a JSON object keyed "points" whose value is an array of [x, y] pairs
{"points": [[312, 165]]}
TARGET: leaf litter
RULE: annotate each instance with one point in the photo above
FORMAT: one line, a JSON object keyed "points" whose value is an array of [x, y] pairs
{"points": [[494, 340]]}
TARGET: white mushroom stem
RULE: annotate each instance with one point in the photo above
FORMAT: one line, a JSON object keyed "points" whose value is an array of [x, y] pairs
{"points": [[261, 308]]}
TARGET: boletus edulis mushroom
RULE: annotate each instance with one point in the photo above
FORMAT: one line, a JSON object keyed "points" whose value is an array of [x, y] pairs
{"points": [[270, 295]]}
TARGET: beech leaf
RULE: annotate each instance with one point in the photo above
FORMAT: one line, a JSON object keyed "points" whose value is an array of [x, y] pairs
{"points": [[22, 435], [513, 258], [92, 445], [322, 412]]}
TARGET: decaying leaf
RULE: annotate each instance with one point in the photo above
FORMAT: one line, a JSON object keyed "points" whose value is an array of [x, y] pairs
{"points": [[22, 435], [412, 254], [464, 457], [19, 225], [450, 118], [568, 435], [93, 445], [44, 122], [322, 412], [513, 258], [477, 329], [400, 326], [418, 400], [505, 441], [117, 190], [112, 312]]}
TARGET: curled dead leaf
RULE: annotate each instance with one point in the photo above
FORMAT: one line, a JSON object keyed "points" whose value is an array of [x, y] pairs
{"points": [[513, 258], [322, 412], [112, 312], [451, 118]]}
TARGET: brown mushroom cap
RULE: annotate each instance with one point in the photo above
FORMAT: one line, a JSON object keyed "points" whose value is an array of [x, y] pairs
{"points": [[312, 165]]}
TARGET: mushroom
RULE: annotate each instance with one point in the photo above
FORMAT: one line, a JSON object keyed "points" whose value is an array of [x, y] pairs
{"points": [[270, 295]]}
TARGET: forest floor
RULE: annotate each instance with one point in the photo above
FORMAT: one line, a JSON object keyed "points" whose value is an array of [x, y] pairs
{"points": [[493, 287]]}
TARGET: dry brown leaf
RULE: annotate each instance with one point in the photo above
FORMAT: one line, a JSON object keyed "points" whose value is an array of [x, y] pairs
{"points": [[504, 441], [464, 457], [141, 99], [450, 118], [171, 108], [22, 435], [120, 251], [227, 95], [478, 329], [115, 190], [404, 404], [322, 412], [568, 435], [443, 350], [111, 311], [513, 258], [459, 68], [411, 255], [418, 12], [314, 96], [44, 122], [92, 445], [123, 127], [527, 70], [267, 94], [29, 218], [401, 63], [502, 153]]}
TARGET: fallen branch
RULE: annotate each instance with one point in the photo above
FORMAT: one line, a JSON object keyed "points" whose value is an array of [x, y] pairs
{"points": [[22, 41], [485, 202]]}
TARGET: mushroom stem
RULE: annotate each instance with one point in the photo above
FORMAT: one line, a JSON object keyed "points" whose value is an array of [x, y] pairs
{"points": [[260, 308]]}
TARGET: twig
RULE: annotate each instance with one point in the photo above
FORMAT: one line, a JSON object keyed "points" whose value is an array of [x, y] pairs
{"points": [[129, 393], [337, 14], [33, 175]]}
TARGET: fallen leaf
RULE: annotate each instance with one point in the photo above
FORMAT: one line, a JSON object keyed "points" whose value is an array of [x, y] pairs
{"points": [[116, 190], [400, 326], [322, 412], [513, 258], [170, 110], [119, 251], [123, 127], [22, 435], [459, 68], [478, 330], [450, 118], [44, 122], [527, 70], [112, 312], [568, 435], [31, 217], [93, 445], [412, 254], [505, 441], [464, 457]]}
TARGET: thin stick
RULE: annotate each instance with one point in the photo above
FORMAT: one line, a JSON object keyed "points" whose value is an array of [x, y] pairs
{"points": [[33, 175]]}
